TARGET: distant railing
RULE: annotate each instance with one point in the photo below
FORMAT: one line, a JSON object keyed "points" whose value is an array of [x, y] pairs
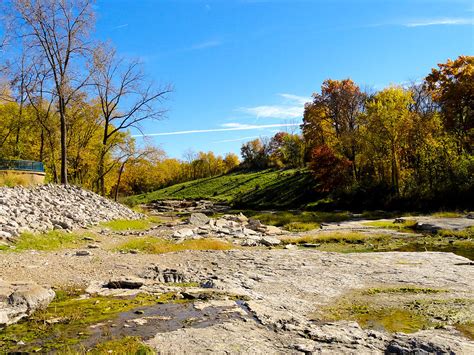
{"points": [[22, 165]]}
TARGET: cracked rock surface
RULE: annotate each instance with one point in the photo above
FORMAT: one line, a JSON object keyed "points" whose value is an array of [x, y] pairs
{"points": [[279, 289]]}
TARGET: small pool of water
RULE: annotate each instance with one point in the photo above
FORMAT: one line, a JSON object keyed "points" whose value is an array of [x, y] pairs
{"points": [[146, 322], [464, 252]]}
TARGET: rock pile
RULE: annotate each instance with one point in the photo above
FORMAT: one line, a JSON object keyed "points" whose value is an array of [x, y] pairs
{"points": [[244, 231], [20, 299], [47, 207], [185, 206]]}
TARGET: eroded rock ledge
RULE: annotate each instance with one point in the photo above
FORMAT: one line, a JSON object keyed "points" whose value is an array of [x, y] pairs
{"points": [[21, 299]]}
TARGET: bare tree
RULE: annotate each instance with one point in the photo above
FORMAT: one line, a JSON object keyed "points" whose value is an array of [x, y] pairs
{"points": [[57, 30], [126, 99], [41, 100]]}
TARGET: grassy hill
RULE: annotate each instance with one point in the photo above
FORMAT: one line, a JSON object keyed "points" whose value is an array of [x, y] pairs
{"points": [[256, 190]]}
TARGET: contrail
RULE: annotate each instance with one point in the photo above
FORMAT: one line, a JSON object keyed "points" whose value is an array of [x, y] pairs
{"points": [[242, 128]]}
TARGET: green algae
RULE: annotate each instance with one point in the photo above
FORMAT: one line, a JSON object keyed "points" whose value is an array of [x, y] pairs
{"points": [[403, 289], [66, 321], [404, 309], [125, 345]]}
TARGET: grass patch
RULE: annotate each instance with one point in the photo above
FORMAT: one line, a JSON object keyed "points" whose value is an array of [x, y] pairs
{"points": [[66, 321], [336, 237], [301, 226], [50, 241], [262, 189], [120, 225], [151, 245], [466, 329], [446, 214], [467, 233], [298, 221], [403, 290], [405, 226], [126, 345]]}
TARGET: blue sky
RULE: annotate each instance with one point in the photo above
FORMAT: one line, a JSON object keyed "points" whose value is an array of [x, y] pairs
{"points": [[244, 68]]}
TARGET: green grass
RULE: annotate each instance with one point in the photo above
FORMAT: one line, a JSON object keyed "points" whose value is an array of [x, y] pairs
{"points": [[298, 221], [262, 189], [151, 245], [467, 233], [402, 290], [447, 214], [129, 224], [405, 226], [50, 241], [126, 345], [66, 321], [336, 237]]}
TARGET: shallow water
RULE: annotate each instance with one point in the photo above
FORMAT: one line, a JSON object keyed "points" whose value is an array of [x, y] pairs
{"points": [[146, 322], [464, 252]]}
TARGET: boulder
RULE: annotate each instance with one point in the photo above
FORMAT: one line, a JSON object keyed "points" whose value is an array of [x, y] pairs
{"points": [[21, 299], [270, 241], [427, 227], [183, 233], [272, 230], [130, 283], [198, 219]]}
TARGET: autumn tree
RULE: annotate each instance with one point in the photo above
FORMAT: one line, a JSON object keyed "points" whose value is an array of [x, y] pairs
{"points": [[231, 162], [255, 154], [332, 118], [57, 30], [329, 170], [388, 121], [452, 87]]}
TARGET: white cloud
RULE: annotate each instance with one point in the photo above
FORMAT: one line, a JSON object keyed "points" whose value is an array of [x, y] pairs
{"points": [[274, 111], [299, 99], [227, 127], [441, 22], [293, 107]]}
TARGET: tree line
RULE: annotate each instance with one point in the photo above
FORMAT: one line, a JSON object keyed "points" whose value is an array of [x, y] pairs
{"points": [[70, 102], [411, 142]]}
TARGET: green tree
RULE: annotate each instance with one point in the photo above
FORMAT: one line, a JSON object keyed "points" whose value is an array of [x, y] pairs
{"points": [[388, 121]]}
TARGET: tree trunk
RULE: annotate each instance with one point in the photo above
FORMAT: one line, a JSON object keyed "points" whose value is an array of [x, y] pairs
{"points": [[63, 146], [118, 181], [101, 180], [395, 175], [41, 152]]}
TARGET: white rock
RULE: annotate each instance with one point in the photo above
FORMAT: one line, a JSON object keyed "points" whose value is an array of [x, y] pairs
{"points": [[270, 241], [183, 233]]}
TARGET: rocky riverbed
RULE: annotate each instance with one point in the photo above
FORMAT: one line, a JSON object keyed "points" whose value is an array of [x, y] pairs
{"points": [[279, 297]]}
